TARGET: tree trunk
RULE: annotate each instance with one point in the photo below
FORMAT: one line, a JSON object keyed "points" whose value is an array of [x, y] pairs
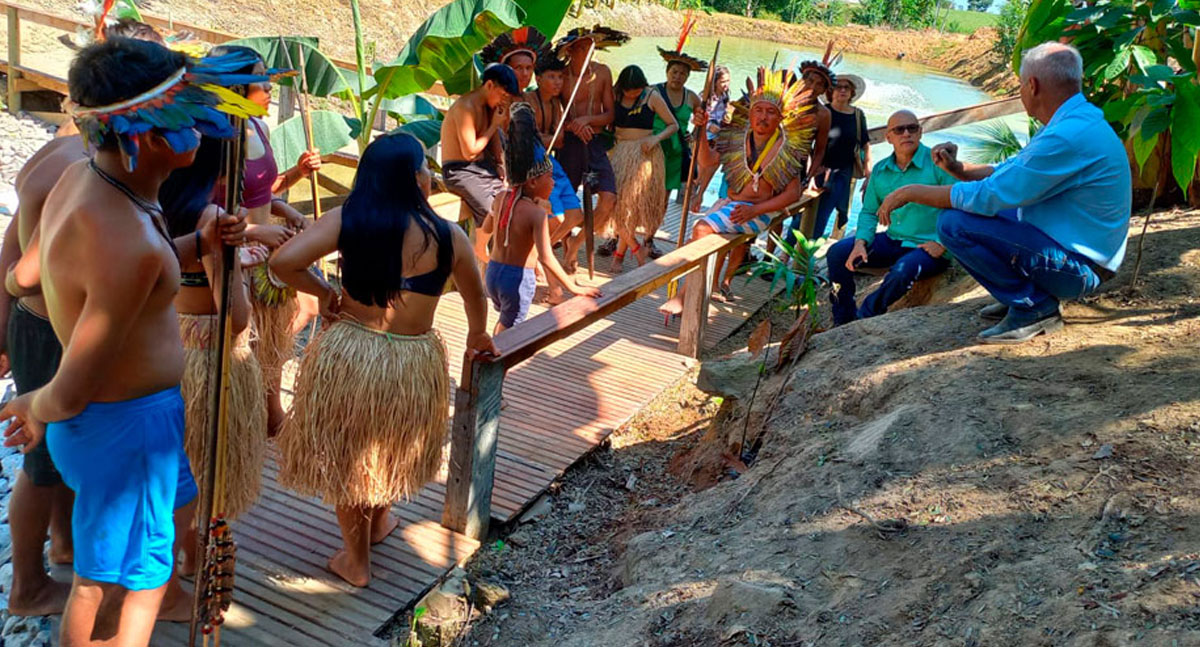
{"points": [[749, 8]]}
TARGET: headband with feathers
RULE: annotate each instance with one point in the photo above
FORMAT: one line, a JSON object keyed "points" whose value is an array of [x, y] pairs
{"points": [[524, 159], [798, 126], [603, 37], [677, 56], [195, 98], [523, 40]]}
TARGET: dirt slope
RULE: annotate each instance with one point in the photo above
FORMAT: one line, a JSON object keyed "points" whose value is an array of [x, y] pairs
{"points": [[1050, 493]]}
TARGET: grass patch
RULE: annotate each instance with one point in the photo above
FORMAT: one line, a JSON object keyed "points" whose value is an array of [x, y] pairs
{"points": [[966, 22]]}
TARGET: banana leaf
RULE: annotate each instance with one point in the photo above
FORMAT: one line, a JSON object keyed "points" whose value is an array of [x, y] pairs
{"points": [[411, 108], [545, 15], [331, 132], [1185, 134], [429, 131], [1043, 22], [323, 77], [444, 44]]}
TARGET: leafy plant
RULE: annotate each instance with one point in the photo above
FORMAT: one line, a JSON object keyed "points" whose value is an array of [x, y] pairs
{"points": [[998, 141], [796, 269], [979, 5], [1012, 17]]}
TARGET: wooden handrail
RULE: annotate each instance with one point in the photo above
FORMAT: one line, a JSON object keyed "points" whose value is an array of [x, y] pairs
{"points": [[959, 117]]}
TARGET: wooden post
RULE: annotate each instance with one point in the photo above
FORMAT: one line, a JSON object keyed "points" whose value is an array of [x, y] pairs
{"points": [[696, 295], [473, 435], [809, 220], [287, 108], [14, 59]]}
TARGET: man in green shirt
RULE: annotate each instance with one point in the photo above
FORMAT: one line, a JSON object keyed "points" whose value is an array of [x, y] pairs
{"points": [[909, 248]]}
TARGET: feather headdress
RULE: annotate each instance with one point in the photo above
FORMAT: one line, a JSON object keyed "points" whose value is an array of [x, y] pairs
{"points": [[524, 40], [823, 67], [603, 37], [677, 56], [195, 98], [524, 159], [778, 165]]}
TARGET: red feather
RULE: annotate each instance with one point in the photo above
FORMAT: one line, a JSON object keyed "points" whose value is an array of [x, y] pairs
{"points": [[108, 5], [520, 36], [688, 24]]}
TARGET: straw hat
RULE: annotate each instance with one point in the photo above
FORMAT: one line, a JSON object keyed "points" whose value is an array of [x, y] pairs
{"points": [[860, 86]]}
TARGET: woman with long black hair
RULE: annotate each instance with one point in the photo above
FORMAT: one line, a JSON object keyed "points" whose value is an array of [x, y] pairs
{"points": [[371, 404]]}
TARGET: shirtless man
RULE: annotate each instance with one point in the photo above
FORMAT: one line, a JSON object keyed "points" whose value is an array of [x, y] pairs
{"points": [[581, 151], [754, 195], [40, 501], [471, 145], [110, 275]]}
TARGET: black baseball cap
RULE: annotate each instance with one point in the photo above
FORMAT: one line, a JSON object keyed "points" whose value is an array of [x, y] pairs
{"points": [[503, 76]]}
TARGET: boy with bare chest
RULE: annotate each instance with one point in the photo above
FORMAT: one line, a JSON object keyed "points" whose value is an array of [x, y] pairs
{"points": [[519, 224]]}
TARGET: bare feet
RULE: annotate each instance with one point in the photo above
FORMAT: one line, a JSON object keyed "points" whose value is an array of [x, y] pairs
{"points": [[61, 554], [642, 255], [618, 263], [46, 600], [176, 604], [382, 527], [672, 307], [356, 574], [556, 295]]}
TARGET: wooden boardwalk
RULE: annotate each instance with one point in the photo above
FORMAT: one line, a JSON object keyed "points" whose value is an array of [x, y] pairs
{"points": [[560, 405]]}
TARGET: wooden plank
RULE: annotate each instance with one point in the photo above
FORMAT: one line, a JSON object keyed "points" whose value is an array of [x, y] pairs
{"points": [[332, 185], [42, 79], [14, 60], [473, 449], [959, 117], [697, 291]]}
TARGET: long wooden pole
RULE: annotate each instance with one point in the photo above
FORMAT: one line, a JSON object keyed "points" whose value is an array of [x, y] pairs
{"points": [[305, 120], [209, 512], [701, 137]]}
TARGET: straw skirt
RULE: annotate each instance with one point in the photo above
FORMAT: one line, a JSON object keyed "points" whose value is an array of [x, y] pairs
{"points": [[274, 308], [369, 416], [641, 187], [247, 423]]}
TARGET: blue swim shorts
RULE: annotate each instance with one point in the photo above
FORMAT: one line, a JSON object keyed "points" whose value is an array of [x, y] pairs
{"points": [[126, 463], [719, 219], [564, 198], [511, 288]]}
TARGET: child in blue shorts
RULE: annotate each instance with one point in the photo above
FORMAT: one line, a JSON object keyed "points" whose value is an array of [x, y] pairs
{"points": [[520, 223]]}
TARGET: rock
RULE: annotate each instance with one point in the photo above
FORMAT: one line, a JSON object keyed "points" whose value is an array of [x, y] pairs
{"points": [[539, 509], [1105, 451], [576, 507], [6, 578], [489, 595], [519, 538], [11, 465], [732, 376], [5, 541], [747, 602]]}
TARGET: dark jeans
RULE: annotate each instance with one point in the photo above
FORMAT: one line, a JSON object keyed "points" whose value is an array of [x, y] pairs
{"points": [[34, 353], [906, 266], [1016, 262], [836, 197]]}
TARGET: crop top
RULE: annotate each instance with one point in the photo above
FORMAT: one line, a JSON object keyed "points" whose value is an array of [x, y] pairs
{"points": [[640, 116], [260, 174]]}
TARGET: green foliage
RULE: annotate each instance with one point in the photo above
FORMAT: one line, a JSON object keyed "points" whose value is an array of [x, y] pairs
{"points": [[998, 142], [796, 268], [979, 5], [1012, 16], [1137, 69], [900, 14], [331, 132], [127, 9], [967, 22]]}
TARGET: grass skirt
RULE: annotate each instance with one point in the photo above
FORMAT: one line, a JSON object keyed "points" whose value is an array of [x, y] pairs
{"points": [[274, 309], [369, 416], [641, 187], [247, 411]]}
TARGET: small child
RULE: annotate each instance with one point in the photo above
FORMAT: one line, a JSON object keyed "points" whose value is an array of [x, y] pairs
{"points": [[519, 218]]}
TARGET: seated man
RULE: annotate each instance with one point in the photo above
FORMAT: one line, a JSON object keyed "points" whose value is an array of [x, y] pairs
{"points": [[471, 146], [763, 151], [1048, 224], [909, 247]]}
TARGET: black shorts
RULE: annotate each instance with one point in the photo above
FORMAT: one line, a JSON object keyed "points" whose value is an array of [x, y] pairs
{"points": [[34, 353], [477, 183], [578, 158]]}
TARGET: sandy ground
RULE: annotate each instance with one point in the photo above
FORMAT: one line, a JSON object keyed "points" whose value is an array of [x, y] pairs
{"points": [[1047, 492]]}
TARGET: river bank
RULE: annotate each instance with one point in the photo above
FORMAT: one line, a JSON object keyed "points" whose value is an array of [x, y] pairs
{"points": [[387, 25]]}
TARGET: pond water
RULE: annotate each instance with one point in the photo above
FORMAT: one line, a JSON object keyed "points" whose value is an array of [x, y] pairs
{"points": [[891, 85]]}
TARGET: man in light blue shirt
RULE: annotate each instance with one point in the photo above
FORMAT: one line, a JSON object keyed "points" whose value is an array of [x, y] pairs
{"points": [[1049, 224]]}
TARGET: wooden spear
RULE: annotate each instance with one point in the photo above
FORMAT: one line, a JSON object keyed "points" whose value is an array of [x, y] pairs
{"points": [[305, 120], [700, 139], [209, 513]]}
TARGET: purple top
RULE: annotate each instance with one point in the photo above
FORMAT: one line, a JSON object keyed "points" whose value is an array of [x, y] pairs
{"points": [[260, 174]]}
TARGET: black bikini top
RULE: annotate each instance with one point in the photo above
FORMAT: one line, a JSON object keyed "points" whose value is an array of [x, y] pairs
{"points": [[639, 116], [433, 282], [193, 279]]}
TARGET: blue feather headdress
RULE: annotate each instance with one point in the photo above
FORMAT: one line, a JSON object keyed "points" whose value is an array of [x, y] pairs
{"points": [[194, 99]]}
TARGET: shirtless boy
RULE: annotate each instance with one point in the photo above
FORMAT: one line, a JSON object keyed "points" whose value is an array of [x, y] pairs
{"points": [[520, 225], [110, 275], [471, 145], [581, 151]]}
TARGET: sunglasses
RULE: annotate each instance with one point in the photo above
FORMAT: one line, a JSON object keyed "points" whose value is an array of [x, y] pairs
{"points": [[905, 128]]}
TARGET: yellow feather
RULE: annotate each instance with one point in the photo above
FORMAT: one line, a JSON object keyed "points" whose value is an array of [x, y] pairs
{"points": [[233, 103]]}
